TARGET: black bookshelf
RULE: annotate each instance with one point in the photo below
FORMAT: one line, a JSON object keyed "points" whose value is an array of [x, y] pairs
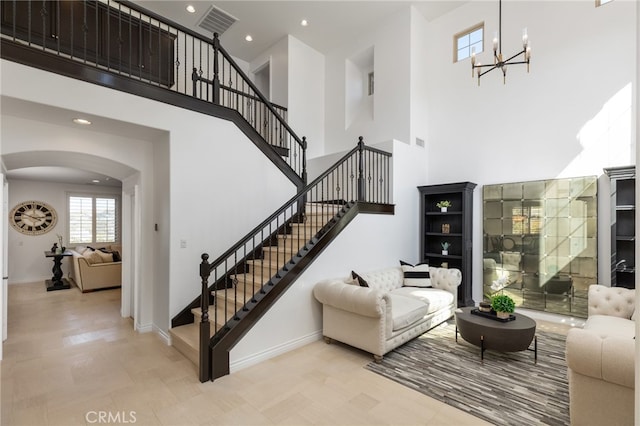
{"points": [[623, 233], [454, 226]]}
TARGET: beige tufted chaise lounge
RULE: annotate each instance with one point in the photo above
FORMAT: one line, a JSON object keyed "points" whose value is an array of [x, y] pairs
{"points": [[601, 359], [386, 314]]}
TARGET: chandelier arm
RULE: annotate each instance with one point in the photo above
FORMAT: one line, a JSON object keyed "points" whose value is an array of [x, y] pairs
{"points": [[484, 66], [493, 67], [515, 56]]}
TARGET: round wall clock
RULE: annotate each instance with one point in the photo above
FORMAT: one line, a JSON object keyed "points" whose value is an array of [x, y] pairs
{"points": [[33, 217]]}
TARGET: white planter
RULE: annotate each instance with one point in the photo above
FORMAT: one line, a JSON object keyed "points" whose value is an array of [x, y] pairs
{"points": [[445, 252], [443, 209]]}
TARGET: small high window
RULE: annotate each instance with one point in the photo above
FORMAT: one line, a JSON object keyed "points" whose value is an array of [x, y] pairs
{"points": [[468, 41]]}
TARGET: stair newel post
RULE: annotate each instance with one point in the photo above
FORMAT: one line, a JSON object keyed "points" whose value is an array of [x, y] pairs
{"points": [[205, 332], [361, 182], [216, 69]]}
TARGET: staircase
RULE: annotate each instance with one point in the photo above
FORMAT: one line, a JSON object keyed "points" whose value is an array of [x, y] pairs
{"points": [[258, 272], [180, 67], [249, 277]]}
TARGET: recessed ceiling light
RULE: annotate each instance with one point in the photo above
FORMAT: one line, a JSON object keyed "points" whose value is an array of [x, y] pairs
{"points": [[304, 23], [248, 37], [191, 9], [95, 181], [81, 121]]}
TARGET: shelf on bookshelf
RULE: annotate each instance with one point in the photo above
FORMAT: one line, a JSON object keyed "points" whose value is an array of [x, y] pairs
{"points": [[443, 256], [626, 207], [441, 234], [442, 213]]}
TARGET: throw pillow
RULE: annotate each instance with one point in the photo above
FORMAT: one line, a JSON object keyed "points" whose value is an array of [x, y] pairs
{"points": [[93, 257], [116, 256], [416, 276], [361, 281], [106, 257]]}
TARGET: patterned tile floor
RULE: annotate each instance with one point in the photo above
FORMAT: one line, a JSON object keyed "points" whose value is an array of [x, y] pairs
{"points": [[70, 357]]}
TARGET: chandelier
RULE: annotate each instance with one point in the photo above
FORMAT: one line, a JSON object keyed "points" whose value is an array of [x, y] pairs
{"points": [[498, 59]]}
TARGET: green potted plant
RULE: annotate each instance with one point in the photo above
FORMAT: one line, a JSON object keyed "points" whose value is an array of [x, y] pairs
{"points": [[503, 305], [445, 248], [442, 205]]}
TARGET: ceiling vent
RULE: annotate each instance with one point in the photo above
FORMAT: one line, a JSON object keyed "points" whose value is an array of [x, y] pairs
{"points": [[216, 21]]}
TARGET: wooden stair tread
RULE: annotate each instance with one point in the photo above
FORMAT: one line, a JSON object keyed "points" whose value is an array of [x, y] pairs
{"points": [[222, 314]]}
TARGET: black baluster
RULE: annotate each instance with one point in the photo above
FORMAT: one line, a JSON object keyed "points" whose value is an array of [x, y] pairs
{"points": [[194, 79], [361, 182]]}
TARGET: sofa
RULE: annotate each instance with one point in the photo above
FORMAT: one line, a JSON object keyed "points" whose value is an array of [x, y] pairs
{"points": [[96, 268], [391, 308], [601, 359]]}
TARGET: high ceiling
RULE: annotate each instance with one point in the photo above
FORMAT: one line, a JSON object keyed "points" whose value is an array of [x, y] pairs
{"points": [[330, 21]]}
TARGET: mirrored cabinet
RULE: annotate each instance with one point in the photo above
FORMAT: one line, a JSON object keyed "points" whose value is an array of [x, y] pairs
{"points": [[540, 242]]}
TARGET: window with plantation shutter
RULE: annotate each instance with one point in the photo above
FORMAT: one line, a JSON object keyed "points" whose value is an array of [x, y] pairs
{"points": [[105, 220], [93, 219]]}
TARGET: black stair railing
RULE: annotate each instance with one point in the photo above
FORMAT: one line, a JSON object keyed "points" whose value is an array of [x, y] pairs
{"points": [[251, 268], [123, 38], [227, 85]]}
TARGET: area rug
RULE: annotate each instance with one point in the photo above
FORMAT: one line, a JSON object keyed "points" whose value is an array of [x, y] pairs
{"points": [[504, 389]]}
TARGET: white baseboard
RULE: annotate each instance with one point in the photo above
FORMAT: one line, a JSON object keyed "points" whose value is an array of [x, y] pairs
{"points": [[146, 328], [239, 364], [163, 335], [149, 328]]}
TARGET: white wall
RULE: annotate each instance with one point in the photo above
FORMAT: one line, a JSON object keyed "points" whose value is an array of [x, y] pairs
{"points": [[571, 115], [297, 82], [27, 263], [419, 78], [278, 58], [391, 114], [161, 234], [214, 198], [306, 95], [296, 318]]}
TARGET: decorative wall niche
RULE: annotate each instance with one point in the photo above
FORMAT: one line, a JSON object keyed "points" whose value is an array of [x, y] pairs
{"points": [[359, 88], [540, 243]]}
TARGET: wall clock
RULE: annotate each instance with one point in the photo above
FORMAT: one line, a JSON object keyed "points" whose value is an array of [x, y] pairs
{"points": [[33, 217]]}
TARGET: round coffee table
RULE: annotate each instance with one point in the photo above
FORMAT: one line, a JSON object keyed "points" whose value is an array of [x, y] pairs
{"points": [[487, 333]]}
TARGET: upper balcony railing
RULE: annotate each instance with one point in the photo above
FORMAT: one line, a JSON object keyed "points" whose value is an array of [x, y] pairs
{"points": [[123, 38]]}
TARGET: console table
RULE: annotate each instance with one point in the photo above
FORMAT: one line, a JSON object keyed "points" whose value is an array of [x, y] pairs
{"points": [[57, 282]]}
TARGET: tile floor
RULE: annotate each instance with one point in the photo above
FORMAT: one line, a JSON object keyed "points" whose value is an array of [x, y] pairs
{"points": [[70, 359]]}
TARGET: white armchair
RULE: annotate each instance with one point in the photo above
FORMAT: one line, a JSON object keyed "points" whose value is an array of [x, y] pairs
{"points": [[601, 359]]}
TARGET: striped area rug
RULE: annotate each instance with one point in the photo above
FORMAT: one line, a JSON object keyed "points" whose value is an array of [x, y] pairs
{"points": [[505, 389]]}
